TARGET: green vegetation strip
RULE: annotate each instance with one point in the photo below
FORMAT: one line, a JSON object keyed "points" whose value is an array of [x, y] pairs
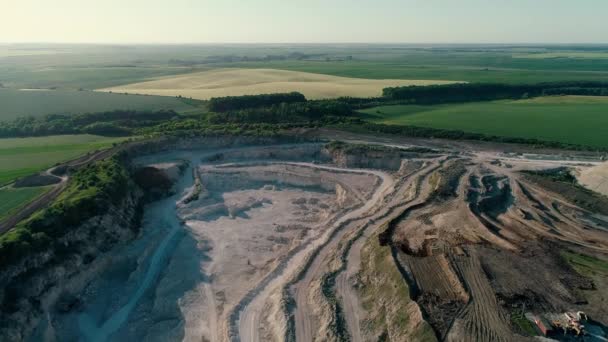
{"points": [[24, 156], [579, 120], [448, 66], [386, 295], [20, 103], [12, 200], [585, 264], [90, 191], [523, 324]]}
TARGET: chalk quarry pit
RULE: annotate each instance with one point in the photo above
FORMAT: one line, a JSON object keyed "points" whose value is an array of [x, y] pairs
{"points": [[274, 243]]}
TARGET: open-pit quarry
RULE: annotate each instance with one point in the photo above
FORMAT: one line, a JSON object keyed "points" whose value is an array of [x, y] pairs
{"points": [[347, 242]]}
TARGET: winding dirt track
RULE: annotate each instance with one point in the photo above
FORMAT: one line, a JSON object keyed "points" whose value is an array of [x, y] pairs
{"points": [[250, 314], [347, 294], [44, 200]]}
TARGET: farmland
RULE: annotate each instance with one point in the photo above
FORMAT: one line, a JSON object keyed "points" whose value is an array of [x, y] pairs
{"points": [[19, 103], [12, 199], [568, 119], [94, 67], [232, 82], [23, 156]]}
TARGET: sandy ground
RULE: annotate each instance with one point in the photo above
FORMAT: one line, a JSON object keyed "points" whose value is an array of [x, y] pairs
{"points": [[595, 178], [233, 82]]}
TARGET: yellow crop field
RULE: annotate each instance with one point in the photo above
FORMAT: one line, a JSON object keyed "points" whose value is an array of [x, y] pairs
{"points": [[233, 82]]}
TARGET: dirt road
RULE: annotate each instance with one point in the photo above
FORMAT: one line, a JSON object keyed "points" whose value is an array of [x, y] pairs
{"points": [[251, 312], [347, 294], [45, 199]]}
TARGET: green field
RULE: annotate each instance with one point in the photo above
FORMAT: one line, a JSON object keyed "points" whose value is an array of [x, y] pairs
{"points": [[23, 156], [568, 119], [94, 67], [18, 103], [13, 199], [455, 72], [564, 54]]}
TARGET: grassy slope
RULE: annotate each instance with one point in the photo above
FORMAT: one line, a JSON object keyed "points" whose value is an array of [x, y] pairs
{"points": [[17, 103], [23, 156], [13, 199], [385, 296], [569, 119], [585, 264]]}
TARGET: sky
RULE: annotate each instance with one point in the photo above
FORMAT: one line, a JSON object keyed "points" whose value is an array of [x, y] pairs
{"points": [[304, 21]]}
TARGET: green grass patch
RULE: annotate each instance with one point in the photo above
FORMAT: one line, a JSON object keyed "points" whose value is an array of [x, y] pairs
{"points": [[23, 156], [12, 199], [577, 120], [90, 191], [585, 264], [385, 294], [19, 103], [563, 54], [468, 67], [523, 324]]}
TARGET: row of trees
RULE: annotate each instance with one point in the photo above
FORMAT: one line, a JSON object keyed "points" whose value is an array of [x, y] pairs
{"points": [[467, 92], [232, 103], [283, 113], [114, 123]]}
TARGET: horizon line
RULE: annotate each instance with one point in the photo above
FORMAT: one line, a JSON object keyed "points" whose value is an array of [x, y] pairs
{"points": [[301, 43]]}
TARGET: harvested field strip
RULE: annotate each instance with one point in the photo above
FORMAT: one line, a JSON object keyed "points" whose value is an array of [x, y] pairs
{"points": [[233, 82]]}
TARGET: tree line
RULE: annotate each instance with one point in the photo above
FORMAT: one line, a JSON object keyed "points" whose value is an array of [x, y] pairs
{"points": [[113, 123], [232, 103], [468, 92]]}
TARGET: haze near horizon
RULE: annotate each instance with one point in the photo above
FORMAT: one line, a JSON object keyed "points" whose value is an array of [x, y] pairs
{"points": [[315, 21]]}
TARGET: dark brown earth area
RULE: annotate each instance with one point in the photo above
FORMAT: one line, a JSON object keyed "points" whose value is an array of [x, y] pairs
{"points": [[491, 241]]}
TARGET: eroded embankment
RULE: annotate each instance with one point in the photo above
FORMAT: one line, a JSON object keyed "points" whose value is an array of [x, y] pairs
{"points": [[443, 248], [343, 286], [53, 255]]}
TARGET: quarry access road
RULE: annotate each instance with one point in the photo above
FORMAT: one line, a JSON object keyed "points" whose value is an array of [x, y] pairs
{"points": [[254, 302], [345, 292], [301, 290], [44, 200]]}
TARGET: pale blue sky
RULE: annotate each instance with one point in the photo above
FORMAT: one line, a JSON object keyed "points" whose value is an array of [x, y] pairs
{"points": [[304, 21]]}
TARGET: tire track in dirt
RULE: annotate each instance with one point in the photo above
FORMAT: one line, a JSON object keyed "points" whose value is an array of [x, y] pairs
{"points": [[349, 299], [244, 320], [482, 319]]}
